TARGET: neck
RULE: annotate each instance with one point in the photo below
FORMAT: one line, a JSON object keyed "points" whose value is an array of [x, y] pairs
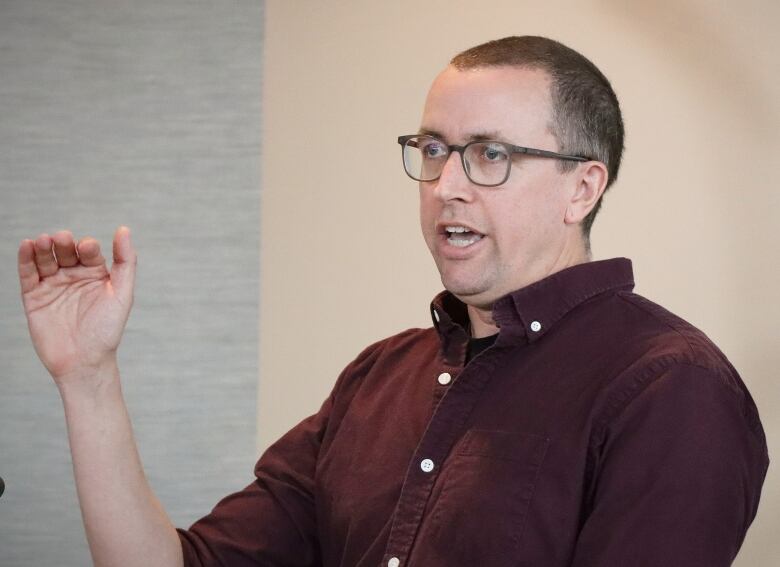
{"points": [[481, 316], [482, 324]]}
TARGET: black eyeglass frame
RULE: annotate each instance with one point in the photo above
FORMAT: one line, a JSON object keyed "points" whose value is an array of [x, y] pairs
{"points": [[402, 140]]}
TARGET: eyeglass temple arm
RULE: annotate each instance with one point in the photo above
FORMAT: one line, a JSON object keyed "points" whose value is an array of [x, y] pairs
{"points": [[545, 153], [408, 140]]}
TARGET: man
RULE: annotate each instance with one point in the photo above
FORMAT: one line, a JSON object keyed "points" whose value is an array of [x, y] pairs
{"points": [[549, 417]]}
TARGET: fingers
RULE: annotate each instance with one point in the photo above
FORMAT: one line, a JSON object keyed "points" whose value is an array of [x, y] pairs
{"points": [[65, 249], [123, 248], [89, 252], [123, 268], [44, 256], [28, 271]]}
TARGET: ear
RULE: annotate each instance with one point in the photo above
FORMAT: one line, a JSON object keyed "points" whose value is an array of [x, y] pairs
{"points": [[590, 180]]}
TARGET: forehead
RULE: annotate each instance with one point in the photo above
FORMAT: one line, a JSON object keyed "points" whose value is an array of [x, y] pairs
{"points": [[512, 103]]}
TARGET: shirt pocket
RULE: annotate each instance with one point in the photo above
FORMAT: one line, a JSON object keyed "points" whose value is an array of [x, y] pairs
{"points": [[487, 486]]}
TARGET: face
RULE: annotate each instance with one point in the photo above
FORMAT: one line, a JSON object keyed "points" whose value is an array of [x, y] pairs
{"points": [[516, 231]]}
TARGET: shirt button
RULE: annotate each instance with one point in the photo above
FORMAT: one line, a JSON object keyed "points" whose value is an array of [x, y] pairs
{"points": [[536, 326], [444, 378], [394, 562], [426, 465]]}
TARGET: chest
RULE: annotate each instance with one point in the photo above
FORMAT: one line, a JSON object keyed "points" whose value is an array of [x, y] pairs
{"points": [[428, 452]]}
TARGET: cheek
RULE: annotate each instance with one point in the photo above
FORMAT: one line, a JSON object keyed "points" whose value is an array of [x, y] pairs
{"points": [[523, 227], [429, 204], [428, 215]]}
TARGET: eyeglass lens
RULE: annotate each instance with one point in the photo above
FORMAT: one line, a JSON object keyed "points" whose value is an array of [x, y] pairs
{"points": [[486, 163]]}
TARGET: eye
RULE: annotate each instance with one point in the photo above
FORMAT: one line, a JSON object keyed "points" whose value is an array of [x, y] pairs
{"points": [[492, 153], [432, 149]]}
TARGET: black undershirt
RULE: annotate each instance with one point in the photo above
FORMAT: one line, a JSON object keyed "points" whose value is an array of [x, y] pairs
{"points": [[478, 345]]}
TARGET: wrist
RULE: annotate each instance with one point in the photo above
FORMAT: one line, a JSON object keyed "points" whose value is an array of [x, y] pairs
{"points": [[89, 379]]}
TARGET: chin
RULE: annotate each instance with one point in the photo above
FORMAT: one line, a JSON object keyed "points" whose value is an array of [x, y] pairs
{"points": [[468, 292]]}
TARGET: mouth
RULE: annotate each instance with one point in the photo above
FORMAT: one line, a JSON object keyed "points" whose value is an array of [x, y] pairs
{"points": [[460, 236]]}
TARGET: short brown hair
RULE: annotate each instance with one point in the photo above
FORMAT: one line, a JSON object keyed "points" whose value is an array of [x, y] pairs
{"points": [[586, 114]]}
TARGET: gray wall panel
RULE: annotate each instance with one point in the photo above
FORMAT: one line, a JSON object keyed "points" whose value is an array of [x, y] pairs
{"points": [[146, 114]]}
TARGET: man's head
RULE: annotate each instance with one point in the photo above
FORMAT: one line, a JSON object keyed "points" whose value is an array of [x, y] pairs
{"points": [[536, 222], [586, 116]]}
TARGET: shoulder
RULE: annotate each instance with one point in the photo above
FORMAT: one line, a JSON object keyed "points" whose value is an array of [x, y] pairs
{"points": [[412, 339], [670, 336], [622, 335], [666, 362], [401, 348]]}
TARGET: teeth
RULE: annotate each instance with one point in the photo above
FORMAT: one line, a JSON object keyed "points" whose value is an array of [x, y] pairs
{"points": [[463, 242], [458, 237]]}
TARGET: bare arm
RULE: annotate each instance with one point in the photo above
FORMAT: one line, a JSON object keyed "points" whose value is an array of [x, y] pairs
{"points": [[76, 311]]}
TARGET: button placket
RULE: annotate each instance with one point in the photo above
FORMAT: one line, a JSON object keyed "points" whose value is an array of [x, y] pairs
{"points": [[445, 427]]}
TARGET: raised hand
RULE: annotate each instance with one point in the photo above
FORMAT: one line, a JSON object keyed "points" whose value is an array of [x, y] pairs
{"points": [[76, 309]]}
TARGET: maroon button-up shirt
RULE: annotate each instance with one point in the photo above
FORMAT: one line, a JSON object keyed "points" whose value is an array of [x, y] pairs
{"points": [[598, 430]]}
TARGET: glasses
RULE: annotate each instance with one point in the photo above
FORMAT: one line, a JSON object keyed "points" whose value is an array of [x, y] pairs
{"points": [[486, 162]]}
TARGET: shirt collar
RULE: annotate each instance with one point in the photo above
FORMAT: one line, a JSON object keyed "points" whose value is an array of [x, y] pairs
{"points": [[535, 309]]}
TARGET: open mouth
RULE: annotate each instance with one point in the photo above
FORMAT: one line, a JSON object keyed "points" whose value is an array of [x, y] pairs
{"points": [[460, 236]]}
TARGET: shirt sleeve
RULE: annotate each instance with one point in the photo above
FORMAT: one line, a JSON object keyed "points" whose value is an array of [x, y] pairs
{"points": [[273, 520], [677, 475]]}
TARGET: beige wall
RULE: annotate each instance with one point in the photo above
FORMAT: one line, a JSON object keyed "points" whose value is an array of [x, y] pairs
{"points": [[343, 263]]}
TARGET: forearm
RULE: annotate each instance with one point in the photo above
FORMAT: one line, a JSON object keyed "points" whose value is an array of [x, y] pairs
{"points": [[124, 521]]}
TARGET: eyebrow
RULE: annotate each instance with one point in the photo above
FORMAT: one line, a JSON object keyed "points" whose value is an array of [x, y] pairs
{"points": [[428, 132], [474, 137]]}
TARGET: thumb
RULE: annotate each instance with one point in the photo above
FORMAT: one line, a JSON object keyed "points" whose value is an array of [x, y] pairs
{"points": [[123, 268]]}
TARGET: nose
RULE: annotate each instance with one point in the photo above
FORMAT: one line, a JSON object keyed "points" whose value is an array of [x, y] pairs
{"points": [[453, 183]]}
